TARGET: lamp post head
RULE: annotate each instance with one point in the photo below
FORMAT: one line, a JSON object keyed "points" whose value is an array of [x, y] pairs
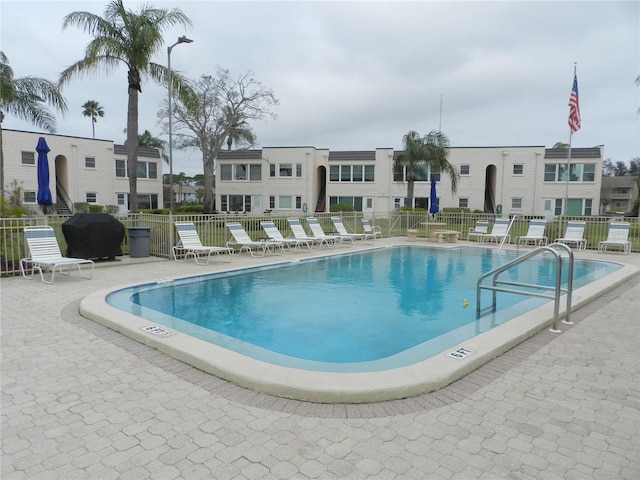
{"points": [[184, 39]]}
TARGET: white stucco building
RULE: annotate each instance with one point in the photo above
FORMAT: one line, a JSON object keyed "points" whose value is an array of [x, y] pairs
{"points": [[81, 170], [525, 180]]}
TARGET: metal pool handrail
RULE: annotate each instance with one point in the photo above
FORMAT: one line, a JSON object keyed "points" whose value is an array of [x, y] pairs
{"points": [[557, 289]]}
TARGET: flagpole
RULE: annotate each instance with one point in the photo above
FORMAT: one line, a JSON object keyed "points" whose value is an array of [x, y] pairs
{"points": [[566, 190], [574, 126]]}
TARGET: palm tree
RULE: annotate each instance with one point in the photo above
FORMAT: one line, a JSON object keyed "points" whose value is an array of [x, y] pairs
{"points": [[240, 132], [94, 110], [25, 98], [430, 150], [130, 38]]}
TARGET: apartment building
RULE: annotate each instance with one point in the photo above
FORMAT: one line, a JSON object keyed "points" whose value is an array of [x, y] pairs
{"points": [[82, 170], [619, 194], [525, 180]]}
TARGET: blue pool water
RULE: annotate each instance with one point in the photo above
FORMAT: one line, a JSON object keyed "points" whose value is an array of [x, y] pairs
{"points": [[362, 311]]}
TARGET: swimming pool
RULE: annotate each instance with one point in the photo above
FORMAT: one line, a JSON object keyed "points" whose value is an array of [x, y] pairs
{"points": [[393, 284], [358, 312]]}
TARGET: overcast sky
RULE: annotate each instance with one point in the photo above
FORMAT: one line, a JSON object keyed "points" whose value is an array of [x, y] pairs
{"points": [[359, 75]]}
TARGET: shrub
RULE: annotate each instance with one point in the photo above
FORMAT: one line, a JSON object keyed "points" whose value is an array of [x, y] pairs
{"points": [[112, 209], [194, 208], [341, 207], [409, 209], [81, 207], [96, 208]]}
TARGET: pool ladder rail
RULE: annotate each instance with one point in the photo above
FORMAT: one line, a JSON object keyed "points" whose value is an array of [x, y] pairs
{"points": [[507, 286]]}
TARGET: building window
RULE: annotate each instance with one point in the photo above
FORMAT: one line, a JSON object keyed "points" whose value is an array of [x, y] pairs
{"points": [[225, 172], [298, 203], [345, 173], [147, 170], [272, 170], [463, 203], [121, 198], [621, 191], [28, 158], [422, 173], [298, 170], [89, 162], [398, 173], [255, 172], [465, 169], [357, 173], [355, 202], [284, 201], [516, 203], [121, 168], [29, 197], [369, 173], [518, 169], [435, 173], [285, 170], [397, 202], [352, 173], [235, 203], [240, 172], [272, 202], [92, 197], [147, 201], [578, 172]]}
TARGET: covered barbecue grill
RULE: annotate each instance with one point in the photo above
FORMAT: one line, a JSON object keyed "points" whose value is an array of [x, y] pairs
{"points": [[93, 235]]}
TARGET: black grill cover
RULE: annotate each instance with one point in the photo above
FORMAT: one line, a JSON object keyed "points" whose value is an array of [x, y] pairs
{"points": [[93, 235]]}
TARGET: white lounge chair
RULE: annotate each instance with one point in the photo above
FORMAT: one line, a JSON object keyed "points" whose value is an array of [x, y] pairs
{"points": [[273, 233], [318, 232], [243, 240], [499, 231], [574, 235], [299, 233], [535, 234], [618, 236], [481, 228], [189, 244], [45, 254], [375, 231], [341, 229]]}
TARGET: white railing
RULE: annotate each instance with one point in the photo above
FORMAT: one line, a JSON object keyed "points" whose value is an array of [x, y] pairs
{"points": [[212, 228]]}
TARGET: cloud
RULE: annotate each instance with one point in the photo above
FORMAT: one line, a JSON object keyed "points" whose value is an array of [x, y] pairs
{"points": [[359, 75]]}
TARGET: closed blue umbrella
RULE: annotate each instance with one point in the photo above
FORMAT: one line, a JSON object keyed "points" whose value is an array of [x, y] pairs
{"points": [[433, 199], [44, 193]]}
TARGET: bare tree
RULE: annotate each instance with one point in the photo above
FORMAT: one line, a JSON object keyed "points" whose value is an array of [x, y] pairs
{"points": [[224, 104]]}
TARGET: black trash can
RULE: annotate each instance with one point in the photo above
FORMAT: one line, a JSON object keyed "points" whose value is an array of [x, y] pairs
{"points": [[93, 235], [139, 240]]}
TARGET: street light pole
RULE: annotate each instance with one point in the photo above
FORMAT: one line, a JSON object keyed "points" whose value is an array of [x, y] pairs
{"points": [[182, 39]]}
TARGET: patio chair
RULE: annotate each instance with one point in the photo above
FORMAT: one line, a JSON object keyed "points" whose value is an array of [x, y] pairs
{"points": [[45, 254], [481, 228], [241, 239], [499, 231], [274, 234], [341, 229], [618, 236], [189, 244], [374, 231], [318, 232], [535, 234], [299, 233], [574, 234]]}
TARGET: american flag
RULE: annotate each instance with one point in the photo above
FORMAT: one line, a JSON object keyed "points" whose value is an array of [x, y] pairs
{"points": [[574, 107]]}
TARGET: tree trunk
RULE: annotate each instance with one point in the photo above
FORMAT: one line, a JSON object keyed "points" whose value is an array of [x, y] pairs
{"points": [[132, 147], [208, 170], [410, 185]]}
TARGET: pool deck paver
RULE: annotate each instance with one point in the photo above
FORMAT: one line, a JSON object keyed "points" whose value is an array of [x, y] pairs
{"points": [[81, 401]]}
